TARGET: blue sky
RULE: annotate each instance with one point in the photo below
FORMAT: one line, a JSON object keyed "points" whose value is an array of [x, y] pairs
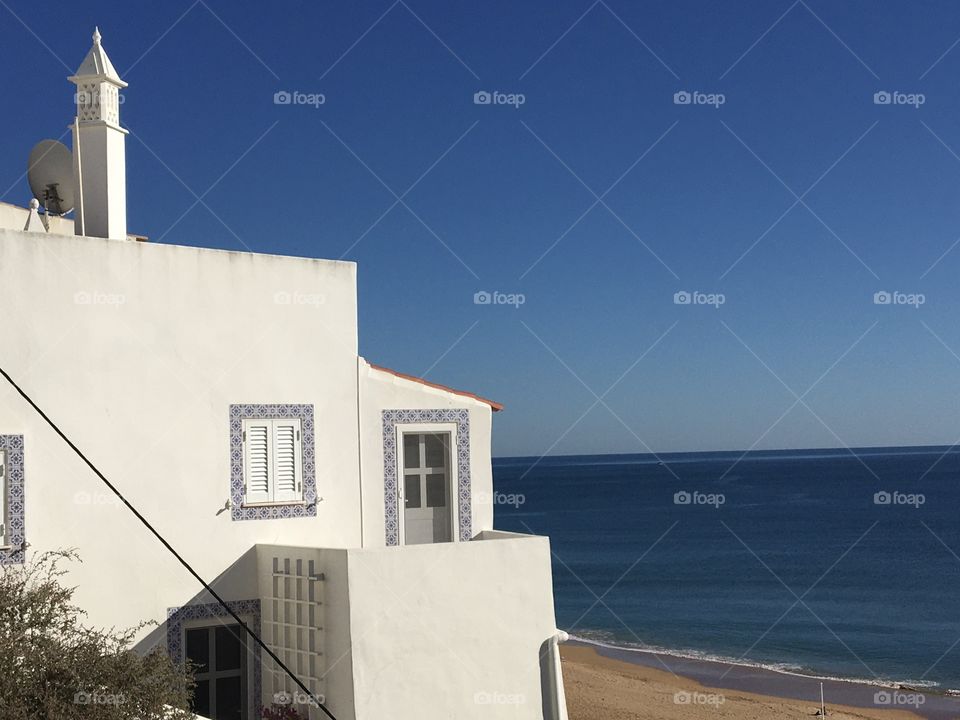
{"points": [[598, 199]]}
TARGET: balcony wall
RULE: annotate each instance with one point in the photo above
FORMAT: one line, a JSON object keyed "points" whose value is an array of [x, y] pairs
{"points": [[427, 631]]}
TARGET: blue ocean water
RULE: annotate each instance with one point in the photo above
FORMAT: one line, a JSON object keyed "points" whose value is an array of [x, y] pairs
{"points": [[785, 559]]}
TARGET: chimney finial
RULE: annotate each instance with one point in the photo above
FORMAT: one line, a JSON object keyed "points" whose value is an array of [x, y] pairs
{"points": [[96, 35]]}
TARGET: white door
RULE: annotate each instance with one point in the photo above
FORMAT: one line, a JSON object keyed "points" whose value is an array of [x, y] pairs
{"points": [[426, 488]]}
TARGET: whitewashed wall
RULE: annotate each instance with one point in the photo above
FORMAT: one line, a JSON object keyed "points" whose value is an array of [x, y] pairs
{"points": [[381, 390], [432, 631], [440, 632], [137, 350]]}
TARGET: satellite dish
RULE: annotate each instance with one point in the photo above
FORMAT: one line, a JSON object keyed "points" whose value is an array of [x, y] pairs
{"points": [[50, 172]]}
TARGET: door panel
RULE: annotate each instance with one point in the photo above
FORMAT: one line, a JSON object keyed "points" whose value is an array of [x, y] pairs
{"points": [[427, 515]]}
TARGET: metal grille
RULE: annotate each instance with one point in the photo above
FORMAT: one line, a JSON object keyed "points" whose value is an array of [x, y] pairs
{"points": [[293, 624]]}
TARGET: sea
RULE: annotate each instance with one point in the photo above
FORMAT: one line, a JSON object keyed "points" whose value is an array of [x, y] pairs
{"points": [[836, 564]]}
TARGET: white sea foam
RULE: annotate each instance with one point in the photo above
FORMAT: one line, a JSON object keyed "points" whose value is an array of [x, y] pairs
{"points": [[782, 668]]}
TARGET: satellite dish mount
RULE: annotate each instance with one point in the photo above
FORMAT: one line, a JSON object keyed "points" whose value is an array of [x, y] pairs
{"points": [[50, 172]]}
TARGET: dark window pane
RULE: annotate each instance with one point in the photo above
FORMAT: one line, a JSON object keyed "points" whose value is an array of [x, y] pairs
{"points": [[436, 447], [411, 451], [198, 648], [411, 491], [229, 698], [201, 698], [228, 648], [436, 490]]}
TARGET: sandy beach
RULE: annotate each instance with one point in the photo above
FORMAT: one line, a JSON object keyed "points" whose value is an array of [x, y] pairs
{"points": [[603, 688]]}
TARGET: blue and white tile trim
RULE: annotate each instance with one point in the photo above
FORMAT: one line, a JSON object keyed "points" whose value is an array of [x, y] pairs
{"points": [[392, 418], [239, 413], [248, 610], [12, 445]]}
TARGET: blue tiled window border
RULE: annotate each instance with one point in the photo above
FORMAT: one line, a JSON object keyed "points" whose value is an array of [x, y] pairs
{"points": [[308, 508], [177, 616], [392, 418], [16, 532]]}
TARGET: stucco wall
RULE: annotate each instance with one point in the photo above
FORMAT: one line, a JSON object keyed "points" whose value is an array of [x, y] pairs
{"points": [[137, 350], [380, 390], [451, 631]]}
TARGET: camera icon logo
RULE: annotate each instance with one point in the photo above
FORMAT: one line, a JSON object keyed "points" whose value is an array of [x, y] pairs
{"points": [[882, 697], [282, 698], [682, 498], [482, 97], [482, 298], [882, 498], [682, 98], [882, 98], [882, 298], [682, 298], [282, 98], [81, 698]]}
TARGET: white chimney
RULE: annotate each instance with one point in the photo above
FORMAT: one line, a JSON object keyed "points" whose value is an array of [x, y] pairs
{"points": [[99, 158]]}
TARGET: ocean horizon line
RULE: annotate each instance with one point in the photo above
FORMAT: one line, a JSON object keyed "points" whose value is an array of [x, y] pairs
{"points": [[779, 453]]}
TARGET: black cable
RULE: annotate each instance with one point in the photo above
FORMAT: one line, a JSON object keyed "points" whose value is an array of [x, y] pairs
{"points": [[167, 545]]}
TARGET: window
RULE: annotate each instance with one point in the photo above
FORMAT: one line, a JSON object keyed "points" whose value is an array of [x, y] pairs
{"points": [[12, 513], [3, 498], [219, 659], [273, 458], [272, 462]]}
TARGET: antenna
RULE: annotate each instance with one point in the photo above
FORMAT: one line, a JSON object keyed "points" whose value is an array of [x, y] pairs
{"points": [[50, 173]]}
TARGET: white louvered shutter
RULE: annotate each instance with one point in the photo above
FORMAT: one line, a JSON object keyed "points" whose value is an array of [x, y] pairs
{"points": [[3, 498], [286, 461], [256, 452]]}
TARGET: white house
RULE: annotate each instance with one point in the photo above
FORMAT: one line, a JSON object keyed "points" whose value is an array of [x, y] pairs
{"points": [[344, 511]]}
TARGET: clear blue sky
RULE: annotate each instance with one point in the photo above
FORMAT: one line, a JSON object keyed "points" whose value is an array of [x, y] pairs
{"points": [[504, 185]]}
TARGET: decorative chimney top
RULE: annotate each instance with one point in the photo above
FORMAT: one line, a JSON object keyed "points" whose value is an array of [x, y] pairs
{"points": [[97, 66], [99, 157]]}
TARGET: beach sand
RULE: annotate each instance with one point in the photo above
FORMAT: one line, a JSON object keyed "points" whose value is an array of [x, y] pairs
{"points": [[601, 688]]}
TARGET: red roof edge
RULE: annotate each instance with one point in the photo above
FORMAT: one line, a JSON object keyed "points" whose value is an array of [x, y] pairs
{"points": [[497, 407]]}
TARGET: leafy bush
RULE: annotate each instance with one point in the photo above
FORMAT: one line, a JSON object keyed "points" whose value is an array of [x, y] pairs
{"points": [[53, 666]]}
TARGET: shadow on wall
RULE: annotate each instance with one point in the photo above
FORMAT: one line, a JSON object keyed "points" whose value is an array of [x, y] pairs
{"points": [[237, 582]]}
